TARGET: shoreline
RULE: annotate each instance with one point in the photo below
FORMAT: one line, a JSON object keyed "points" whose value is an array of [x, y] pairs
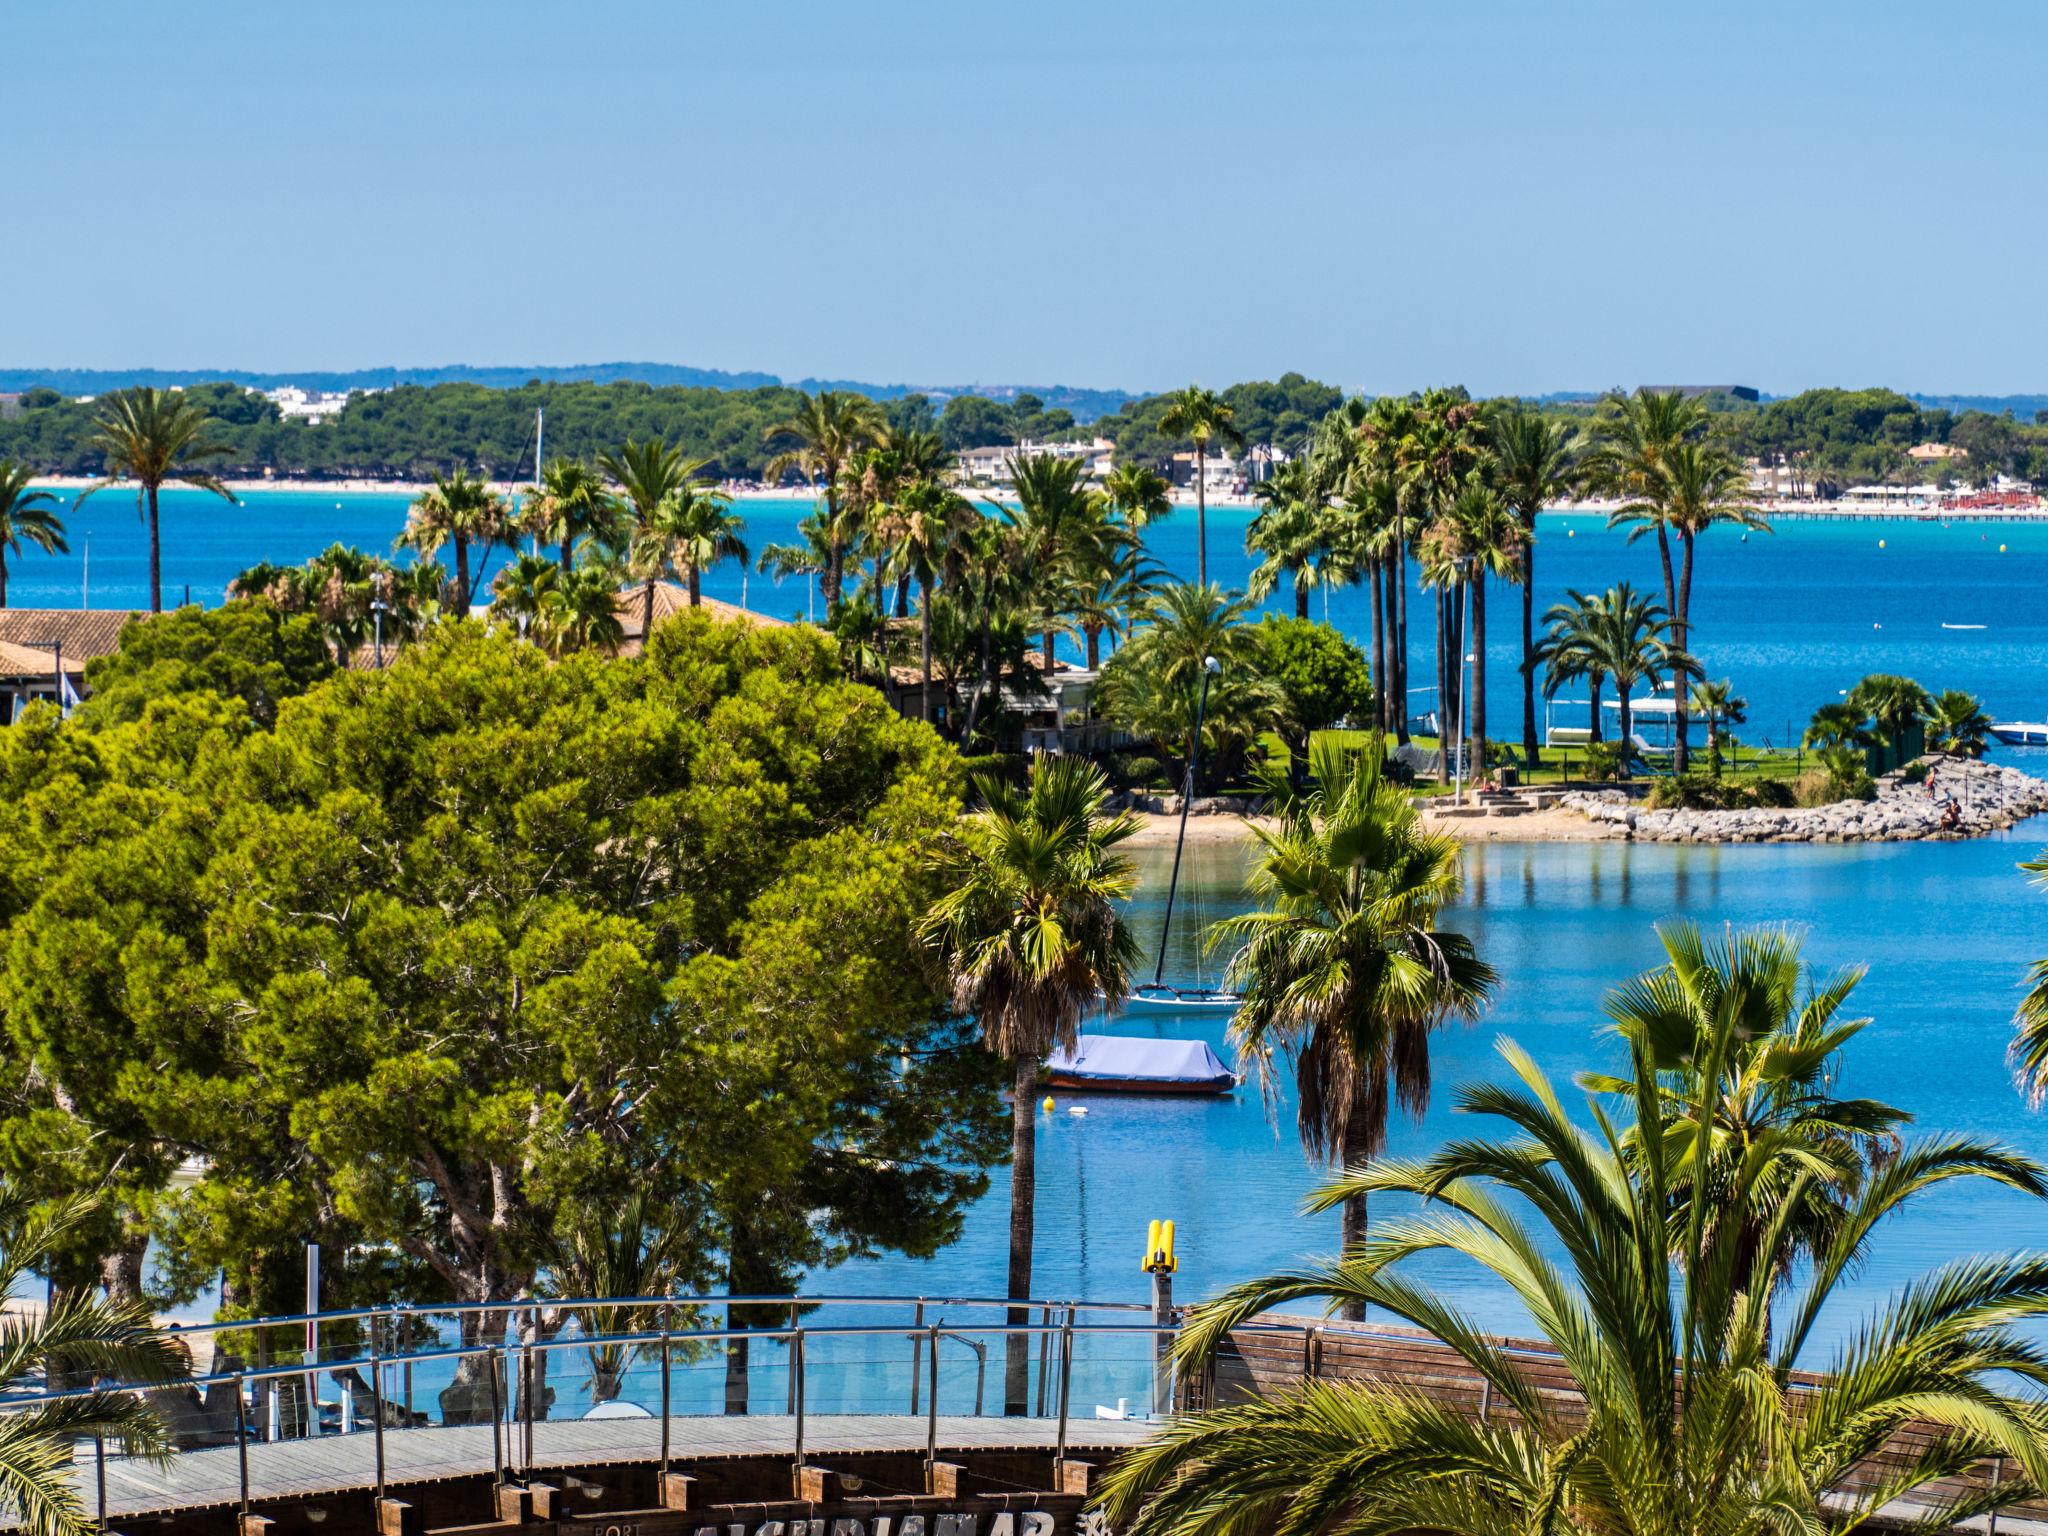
{"points": [[1842, 511]]}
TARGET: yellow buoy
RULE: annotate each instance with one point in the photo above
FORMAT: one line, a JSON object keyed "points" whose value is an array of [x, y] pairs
{"points": [[1880, 543], [1571, 533], [2001, 549], [1048, 1103]]}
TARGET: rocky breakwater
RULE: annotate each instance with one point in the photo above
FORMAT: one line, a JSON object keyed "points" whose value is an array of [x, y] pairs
{"points": [[1987, 797]]}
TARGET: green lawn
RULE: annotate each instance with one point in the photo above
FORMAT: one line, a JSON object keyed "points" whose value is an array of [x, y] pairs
{"points": [[1559, 765]]}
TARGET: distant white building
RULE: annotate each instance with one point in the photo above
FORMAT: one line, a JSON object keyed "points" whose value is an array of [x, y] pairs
{"points": [[991, 465], [314, 406]]}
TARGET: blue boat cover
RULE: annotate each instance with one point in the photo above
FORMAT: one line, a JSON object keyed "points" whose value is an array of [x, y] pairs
{"points": [[1123, 1059]]}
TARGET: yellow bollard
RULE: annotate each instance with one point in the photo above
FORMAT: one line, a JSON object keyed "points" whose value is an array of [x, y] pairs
{"points": [[1048, 1103]]}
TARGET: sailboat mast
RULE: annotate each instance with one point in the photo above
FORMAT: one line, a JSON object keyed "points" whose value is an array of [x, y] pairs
{"points": [[540, 415], [1187, 793]]}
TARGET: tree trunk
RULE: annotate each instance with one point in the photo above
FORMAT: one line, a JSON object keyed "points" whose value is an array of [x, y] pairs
{"points": [[1530, 746], [1593, 678], [903, 596], [696, 587], [1023, 1195], [568, 552], [1671, 613], [1201, 513], [121, 1270], [1399, 638], [647, 614], [835, 551], [1045, 657], [461, 574], [1478, 713], [1681, 627], [1354, 1214], [156, 556], [1621, 692], [1443, 695], [1094, 634], [1300, 597], [1379, 650], [3, 578], [924, 642]]}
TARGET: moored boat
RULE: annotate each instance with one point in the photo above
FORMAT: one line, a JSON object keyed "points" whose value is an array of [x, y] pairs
{"points": [[1124, 1064], [2020, 733]]}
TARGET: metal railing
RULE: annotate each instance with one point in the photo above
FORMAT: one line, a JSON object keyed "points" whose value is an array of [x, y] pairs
{"points": [[377, 1382]]}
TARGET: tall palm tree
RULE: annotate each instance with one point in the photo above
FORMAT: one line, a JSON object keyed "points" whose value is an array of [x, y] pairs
{"points": [[154, 437], [1138, 494], [700, 529], [1291, 530], [1718, 702], [463, 511], [80, 1337], [1534, 464], [1569, 652], [1343, 968], [25, 517], [931, 541], [809, 557], [1626, 639], [649, 476], [1121, 590], [829, 429], [1894, 704], [1485, 539], [1032, 932], [1063, 538], [1680, 1411], [571, 502], [2029, 1051], [1200, 416]]}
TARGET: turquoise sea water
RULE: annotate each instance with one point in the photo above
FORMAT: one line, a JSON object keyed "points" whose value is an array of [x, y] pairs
{"points": [[1793, 617]]}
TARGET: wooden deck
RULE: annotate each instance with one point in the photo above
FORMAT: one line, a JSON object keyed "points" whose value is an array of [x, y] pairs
{"points": [[288, 1469]]}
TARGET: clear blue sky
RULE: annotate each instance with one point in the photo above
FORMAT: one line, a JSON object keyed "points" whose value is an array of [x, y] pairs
{"points": [[1518, 196]]}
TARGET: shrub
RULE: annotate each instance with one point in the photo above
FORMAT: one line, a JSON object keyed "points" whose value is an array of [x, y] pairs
{"points": [[1915, 772], [1133, 771], [1012, 767], [1603, 761], [1840, 776], [1692, 792], [1773, 794]]}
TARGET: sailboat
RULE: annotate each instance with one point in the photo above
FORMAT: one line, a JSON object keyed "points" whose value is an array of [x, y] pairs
{"points": [[1156, 993]]}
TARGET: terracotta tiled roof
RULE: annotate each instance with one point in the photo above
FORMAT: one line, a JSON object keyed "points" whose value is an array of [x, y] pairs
{"points": [[33, 661], [83, 632], [670, 599]]}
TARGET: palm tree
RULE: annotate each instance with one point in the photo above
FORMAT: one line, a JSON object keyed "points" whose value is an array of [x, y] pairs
{"points": [[636, 1246], [1121, 590], [154, 437], [1484, 538], [571, 502], [79, 1337], [460, 510], [1718, 702], [522, 592], [1063, 539], [1957, 725], [1032, 931], [1838, 726], [25, 516], [1138, 494], [2029, 1051], [829, 429], [931, 540], [1534, 465], [1343, 968], [1569, 652], [1626, 642], [649, 476], [580, 612], [1200, 415], [1385, 492], [1894, 704], [807, 559], [1744, 1045], [1141, 692], [1680, 1411], [1291, 530], [698, 529]]}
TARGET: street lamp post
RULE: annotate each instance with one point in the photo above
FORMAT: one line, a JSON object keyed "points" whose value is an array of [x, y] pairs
{"points": [[378, 608]]}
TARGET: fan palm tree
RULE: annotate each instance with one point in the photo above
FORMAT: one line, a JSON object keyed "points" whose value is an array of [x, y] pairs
{"points": [[1343, 969], [1681, 1413], [522, 592], [79, 1337], [1744, 1044], [1138, 494], [580, 612], [1838, 726], [1718, 702], [829, 429], [2029, 1053], [25, 517], [637, 1246], [1139, 692], [1291, 530], [463, 511], [1032, 932], [649, 476], [1534, 465], [696, 529], [1893, 704], [571, 502], [1957, 725], [154, 437], [1200, 416]]}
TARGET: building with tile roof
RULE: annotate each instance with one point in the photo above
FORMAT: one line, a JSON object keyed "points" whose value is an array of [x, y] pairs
{"points": [[33, 639]]}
